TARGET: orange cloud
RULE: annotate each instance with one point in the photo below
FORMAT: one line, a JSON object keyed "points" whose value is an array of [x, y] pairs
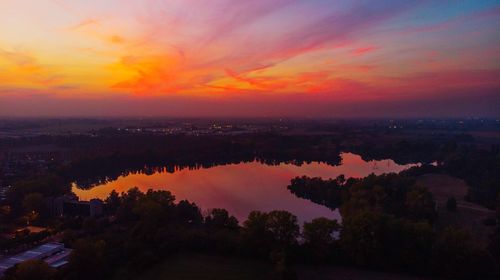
{"points": [[20, 60], [115, 39]]}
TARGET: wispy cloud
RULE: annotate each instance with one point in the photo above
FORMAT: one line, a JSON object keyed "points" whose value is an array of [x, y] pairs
{"points": [[254, 51], [363, 51], [85, 23], [223, 48], [21, 60]]}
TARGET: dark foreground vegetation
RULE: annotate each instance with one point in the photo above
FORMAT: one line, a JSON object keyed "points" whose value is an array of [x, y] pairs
{"points": [[388, 221], [387, 225]]}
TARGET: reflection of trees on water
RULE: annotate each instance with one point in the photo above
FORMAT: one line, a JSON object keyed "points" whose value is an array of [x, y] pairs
{"points": [[90, 182], [402, 153], [104, 159]]}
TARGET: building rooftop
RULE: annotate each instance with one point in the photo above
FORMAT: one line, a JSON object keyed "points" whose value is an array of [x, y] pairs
{"points": [[55, 254]]}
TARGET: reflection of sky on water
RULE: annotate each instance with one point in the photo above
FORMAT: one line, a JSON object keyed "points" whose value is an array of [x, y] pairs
{"points": [[241, 188]]}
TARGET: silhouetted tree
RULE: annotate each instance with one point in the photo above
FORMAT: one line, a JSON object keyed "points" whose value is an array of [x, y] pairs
{"points": [[87, 261], [319, 236], [189, 213], [283, 226], [34, 202], [149, 212], [420, 204], [382, 241], [320, 231], [256, 236], [361, 237], [219, 218], [455, 256], [113, 201]]}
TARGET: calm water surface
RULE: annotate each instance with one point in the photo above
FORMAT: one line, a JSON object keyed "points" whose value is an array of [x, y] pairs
{"points": [[244, 187]]}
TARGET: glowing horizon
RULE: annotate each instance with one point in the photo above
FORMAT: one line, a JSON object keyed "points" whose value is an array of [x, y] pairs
{"points": [[249, 58]]}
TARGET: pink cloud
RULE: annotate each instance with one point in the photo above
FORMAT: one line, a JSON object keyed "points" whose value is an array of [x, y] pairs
{"points": [[363, 51]]}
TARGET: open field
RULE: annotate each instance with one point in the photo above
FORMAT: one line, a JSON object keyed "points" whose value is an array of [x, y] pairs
{"points": [[468, 215]]}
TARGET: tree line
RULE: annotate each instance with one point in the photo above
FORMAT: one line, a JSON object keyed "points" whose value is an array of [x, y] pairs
{"points": [[387, 224]]}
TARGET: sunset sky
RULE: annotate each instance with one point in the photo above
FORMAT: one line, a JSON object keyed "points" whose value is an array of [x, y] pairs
{"points": [[250, 58]]}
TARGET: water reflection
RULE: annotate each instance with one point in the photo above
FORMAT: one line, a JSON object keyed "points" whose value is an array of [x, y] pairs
{"points": [[243, 187]]}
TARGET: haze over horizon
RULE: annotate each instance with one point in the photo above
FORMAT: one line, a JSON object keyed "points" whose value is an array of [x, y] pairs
{"points": [[260, 58]]}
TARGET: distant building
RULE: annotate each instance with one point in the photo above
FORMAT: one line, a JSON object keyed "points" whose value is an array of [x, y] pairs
{"points": [[54, 254], [3, 192], [71, 206], [96, 207]]}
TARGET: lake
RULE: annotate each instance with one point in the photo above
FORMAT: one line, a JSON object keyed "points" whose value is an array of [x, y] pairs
{"points": [[244, 187]]}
